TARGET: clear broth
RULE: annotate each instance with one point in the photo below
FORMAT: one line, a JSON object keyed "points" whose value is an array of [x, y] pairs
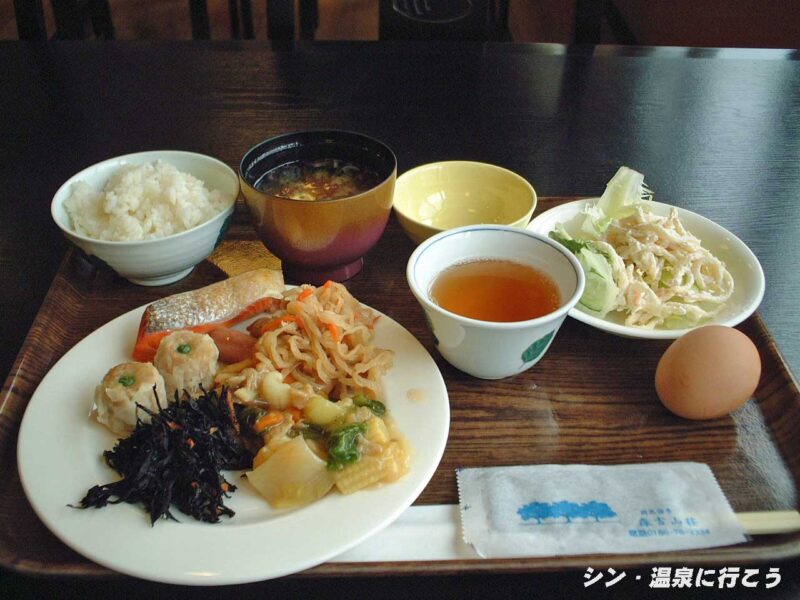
{"points": [[495, 290]]}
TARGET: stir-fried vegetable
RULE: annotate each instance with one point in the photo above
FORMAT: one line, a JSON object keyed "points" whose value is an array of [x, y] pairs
{"points": [[292, 476], [346, 444], [343, 445], [377, 408]]}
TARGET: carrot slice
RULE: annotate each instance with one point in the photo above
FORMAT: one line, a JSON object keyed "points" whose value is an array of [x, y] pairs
{"points": [[273, 417], [277, 322], [334, 331], [305, 294], [296, 413]]}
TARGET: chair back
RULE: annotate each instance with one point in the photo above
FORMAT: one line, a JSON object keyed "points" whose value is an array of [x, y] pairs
{"points": [[75, 19], [240, 13], [451, 20], [280, 19]]}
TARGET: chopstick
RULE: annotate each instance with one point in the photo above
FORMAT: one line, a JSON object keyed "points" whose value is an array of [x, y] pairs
{"points": [[769, 521]]}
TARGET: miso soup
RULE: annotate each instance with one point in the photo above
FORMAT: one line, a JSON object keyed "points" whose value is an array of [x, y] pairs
{"points": [[495, 290], [325, 179]]}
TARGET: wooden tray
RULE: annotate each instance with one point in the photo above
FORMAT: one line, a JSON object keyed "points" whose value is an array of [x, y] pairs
{"points": [[590, 400]]}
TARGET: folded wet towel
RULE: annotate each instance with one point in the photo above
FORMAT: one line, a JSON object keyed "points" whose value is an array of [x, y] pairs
{"points": [[550, 510]]}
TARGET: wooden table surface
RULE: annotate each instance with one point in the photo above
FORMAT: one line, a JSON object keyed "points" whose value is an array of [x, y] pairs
{"points": [[717, 132]]}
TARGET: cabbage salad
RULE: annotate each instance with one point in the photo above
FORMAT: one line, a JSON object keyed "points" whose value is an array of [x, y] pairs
{"points": [[647, 266]]}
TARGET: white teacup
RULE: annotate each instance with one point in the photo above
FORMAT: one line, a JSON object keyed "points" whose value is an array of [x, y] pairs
{"points": [[489, 349]]}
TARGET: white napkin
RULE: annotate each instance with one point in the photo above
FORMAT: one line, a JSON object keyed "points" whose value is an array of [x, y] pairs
{"points": [[551, 510]]}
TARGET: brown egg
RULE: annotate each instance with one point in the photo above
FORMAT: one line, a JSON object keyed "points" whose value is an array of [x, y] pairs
{"points": [[709, 372]]}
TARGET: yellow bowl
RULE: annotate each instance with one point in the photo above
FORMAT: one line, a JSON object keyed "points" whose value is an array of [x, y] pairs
{"points": [[443, 195]]}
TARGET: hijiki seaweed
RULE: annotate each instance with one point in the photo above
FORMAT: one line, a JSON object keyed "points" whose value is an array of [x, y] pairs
{"points": [[177, 459]]}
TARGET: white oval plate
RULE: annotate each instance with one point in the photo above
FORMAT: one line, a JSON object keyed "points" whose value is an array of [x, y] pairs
{"points": [[59, 457], [748, 277]]}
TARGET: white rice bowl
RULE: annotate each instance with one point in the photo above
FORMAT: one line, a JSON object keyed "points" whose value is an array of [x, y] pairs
{"points": [[142, 202], [148, 260]]}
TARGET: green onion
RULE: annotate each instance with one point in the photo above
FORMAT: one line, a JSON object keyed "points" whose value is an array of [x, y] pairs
{"points": [[377, 408], [343, 446]]}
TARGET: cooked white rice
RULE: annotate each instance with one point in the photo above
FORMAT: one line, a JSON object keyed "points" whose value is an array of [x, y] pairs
{"points": [[142, 202]]}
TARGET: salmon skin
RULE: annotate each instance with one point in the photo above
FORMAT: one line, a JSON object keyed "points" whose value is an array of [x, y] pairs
{"points": [[220, 304]]}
